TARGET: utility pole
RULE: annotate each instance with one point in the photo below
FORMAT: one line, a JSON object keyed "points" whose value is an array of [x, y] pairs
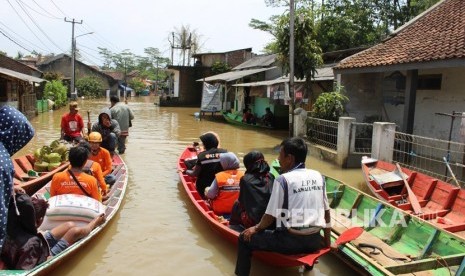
{"points": [[73, 53], [291, 69]]}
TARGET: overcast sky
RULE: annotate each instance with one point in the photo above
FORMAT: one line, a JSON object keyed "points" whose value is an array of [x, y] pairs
{"points": [[39, 25]]}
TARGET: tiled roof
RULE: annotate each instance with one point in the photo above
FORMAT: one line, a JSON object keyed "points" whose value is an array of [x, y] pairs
{"points": [[436, 35]]}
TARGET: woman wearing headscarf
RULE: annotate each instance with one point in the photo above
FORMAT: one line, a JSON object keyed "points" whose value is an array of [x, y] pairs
{"points": [[15, 133], [255, 191], [224, 190], [208, 162]]}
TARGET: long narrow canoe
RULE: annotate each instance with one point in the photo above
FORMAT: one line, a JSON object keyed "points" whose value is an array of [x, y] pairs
{"points": [[32, 184], [236, 119], [221, 224], [410, 245], [442, 203], [113, 203]]}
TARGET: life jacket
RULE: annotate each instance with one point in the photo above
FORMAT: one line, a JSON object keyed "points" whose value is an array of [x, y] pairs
{"points": [[228, 191]]}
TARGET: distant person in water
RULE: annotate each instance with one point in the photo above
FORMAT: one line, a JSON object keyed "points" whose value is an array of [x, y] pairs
{"points": [[208, 162], [123, 114]]}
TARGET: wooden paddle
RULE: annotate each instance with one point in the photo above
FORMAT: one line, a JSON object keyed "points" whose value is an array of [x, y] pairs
{"points": [[89, 125], [411, 196], [345, 237], [451, 172]]}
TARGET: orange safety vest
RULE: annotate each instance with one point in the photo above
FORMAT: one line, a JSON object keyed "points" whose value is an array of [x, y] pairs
{"points": [[228, 191]]}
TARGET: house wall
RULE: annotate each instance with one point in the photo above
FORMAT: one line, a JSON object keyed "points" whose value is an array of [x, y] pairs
{"points": [[63, 66], [233, 58], [187, 90], [373, 94], [17, 66]]}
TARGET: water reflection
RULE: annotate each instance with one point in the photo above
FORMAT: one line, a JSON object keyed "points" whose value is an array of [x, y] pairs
{"points": [[157, 231]]}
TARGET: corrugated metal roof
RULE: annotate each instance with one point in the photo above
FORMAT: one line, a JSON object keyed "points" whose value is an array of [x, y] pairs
{"points": [[257, 61], [234, 75], [20, 76], [324, 73]]}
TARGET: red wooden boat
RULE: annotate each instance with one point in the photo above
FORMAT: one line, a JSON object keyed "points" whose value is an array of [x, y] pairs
{"points": [[31, 183], [221, 225], [441, 203]]}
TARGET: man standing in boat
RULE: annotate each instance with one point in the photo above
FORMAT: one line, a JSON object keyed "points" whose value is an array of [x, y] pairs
{"points": [[299, 207]]}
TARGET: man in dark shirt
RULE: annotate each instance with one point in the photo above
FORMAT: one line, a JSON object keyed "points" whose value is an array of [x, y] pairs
{"points": [[208, 162]]}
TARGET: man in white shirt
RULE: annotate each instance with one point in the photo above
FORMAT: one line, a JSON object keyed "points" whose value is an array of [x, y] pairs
{"points": [[298, 206]]}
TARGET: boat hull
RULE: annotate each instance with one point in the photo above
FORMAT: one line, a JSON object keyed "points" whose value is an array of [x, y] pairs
{"points": [[236, 119], [113, 203], [30, 184]]}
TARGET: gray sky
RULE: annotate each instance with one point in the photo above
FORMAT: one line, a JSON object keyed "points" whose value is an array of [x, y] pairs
{"points": [[133, 25]]}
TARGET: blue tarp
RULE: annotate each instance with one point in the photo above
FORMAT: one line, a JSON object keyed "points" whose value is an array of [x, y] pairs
{"points": [[128, 89]]}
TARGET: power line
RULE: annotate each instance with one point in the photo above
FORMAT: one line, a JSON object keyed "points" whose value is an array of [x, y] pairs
{"points": [[52, 17], [30, 43], [58, 8], [20, 17], [102, 39], [38, 27], [97, 58], [15, 41], [45, 10]]}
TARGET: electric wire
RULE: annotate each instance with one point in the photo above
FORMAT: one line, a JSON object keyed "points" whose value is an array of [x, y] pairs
{"points": [[1, 31], [58, 8], [53, 16], [21, 37], [22, 19], [32, 9], [38, 27]]}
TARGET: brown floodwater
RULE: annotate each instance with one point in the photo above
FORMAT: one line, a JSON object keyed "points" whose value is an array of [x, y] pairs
{"points": [[157, 231]]}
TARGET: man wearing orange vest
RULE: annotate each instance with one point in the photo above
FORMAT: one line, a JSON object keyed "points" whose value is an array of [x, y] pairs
{"points": [[101, 156], [224, 190]]}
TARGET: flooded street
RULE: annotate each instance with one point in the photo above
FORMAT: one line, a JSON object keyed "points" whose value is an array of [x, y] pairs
{"points": [[157, 231]]}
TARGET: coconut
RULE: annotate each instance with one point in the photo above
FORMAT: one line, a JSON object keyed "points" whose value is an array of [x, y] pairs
{"points": [[53, 157], [41, 166], [52, 166], [60, 149]]}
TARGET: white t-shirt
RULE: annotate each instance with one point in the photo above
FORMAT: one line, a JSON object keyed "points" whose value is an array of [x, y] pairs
{"points": [[307, 199]]}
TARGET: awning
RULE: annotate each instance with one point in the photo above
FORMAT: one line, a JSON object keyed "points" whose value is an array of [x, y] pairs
{"points": [[234, 75], [19, 75], [322, 74], [267, 82], [127, 88]]}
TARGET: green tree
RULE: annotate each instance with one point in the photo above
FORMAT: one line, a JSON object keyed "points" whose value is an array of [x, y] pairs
{"points": [[219, 67], [55, 90], [50, 76], [89, 87], [137, 85], [307, 53]]}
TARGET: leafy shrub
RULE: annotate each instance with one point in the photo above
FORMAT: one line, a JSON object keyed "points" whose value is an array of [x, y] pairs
{"points": [[89, 87], [55, 91], [330, 105]]}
